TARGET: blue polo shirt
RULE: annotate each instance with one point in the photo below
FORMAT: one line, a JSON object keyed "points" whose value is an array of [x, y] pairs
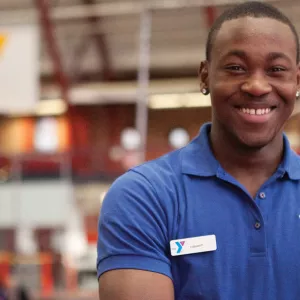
{"points": [[186, 193]]}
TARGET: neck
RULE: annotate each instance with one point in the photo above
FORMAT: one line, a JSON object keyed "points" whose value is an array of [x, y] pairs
{"points": [[237, 158]]}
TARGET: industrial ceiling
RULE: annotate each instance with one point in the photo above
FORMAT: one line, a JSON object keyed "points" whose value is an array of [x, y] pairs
{"points": [[100, 42]]}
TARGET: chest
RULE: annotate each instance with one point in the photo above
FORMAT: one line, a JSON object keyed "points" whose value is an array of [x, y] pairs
{"points": [[257, 240]]}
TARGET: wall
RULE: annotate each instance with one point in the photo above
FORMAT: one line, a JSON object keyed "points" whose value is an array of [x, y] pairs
{"points": [[97, 129], [105, 124], [162, 121], [17, 134]]}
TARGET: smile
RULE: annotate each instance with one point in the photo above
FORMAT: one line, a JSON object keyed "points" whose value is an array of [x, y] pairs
{"points": [[255, 115], [259, 111]]}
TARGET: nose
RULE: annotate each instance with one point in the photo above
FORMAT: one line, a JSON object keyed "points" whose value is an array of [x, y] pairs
{"points": [[256, 85]]}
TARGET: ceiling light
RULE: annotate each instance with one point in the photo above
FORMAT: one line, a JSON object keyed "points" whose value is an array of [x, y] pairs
{"points": [[51, 107], [168, 101]]}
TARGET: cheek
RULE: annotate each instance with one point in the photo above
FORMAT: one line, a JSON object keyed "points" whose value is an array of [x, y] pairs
{"points": [[224, 85], [222, 92], [288, 94]]}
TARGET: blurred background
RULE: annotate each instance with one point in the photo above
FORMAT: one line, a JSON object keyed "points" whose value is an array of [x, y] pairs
{"points": [[88, 89]]}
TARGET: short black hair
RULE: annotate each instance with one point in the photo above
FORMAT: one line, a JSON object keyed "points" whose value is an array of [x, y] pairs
{"points": [[253, 9]]}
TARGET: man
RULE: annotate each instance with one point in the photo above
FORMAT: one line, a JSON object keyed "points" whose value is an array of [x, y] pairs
{"points": [[235, 189]]}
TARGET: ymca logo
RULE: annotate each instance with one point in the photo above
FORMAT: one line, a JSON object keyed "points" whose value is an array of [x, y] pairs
{"points": [[3, 40], [179, 246]]}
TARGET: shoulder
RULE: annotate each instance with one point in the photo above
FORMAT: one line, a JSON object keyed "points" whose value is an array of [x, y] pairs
{"points": [[161, 169], [154, 185], [137, 219], [155, 172]]}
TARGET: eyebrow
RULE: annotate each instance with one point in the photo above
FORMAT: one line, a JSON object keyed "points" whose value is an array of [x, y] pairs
{"points": [[239, 53], [276, 55], [271, 56]]}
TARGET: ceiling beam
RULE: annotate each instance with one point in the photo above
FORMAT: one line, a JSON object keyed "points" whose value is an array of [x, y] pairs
{"points": [[100, 40], [116, 9], [74, 69], [211, 15], [49, 35], [48, 30]]}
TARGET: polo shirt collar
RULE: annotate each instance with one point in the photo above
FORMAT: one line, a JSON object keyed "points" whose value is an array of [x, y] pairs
{"points": [[197, 156], [198, 159]]}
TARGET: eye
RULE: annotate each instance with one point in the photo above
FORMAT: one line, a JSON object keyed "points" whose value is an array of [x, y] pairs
{"points": [[235, 68], [277, 69]]}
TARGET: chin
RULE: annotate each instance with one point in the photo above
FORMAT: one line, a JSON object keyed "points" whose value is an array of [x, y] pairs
{"points": [[254, 141], [256, 137]]}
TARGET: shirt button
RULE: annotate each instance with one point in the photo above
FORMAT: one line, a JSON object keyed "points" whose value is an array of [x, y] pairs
{"points": [[262, 195], [257, 225]]}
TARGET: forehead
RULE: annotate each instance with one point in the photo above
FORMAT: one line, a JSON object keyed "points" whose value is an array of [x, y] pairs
{"points": [[255, 35]]}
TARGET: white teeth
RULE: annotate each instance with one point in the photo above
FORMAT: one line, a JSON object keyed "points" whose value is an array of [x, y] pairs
{"points": [[252, 111]]}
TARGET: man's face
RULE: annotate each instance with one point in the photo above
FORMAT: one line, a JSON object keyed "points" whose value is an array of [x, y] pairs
{"points": [[253, 78]]}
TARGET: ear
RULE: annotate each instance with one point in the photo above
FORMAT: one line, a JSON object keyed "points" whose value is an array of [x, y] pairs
{"points": [[203, 75], [298, 82], [298, 77]]}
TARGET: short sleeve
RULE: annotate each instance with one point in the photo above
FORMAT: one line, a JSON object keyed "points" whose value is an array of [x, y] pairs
{"points": [[132, 229]]}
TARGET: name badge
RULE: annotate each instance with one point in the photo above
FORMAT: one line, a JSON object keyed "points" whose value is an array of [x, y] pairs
{"points": [[193, 245]]}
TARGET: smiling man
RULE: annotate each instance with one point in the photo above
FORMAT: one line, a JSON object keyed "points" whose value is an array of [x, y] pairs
{"points": [[219, 218]]}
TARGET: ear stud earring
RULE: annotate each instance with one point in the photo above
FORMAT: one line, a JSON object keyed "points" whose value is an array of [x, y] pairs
{"points": [[298, 94], [205, 91]]}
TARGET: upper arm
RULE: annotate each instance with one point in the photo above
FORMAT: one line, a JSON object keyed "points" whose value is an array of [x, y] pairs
{"points": [[133, 240], [135, 285]]}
